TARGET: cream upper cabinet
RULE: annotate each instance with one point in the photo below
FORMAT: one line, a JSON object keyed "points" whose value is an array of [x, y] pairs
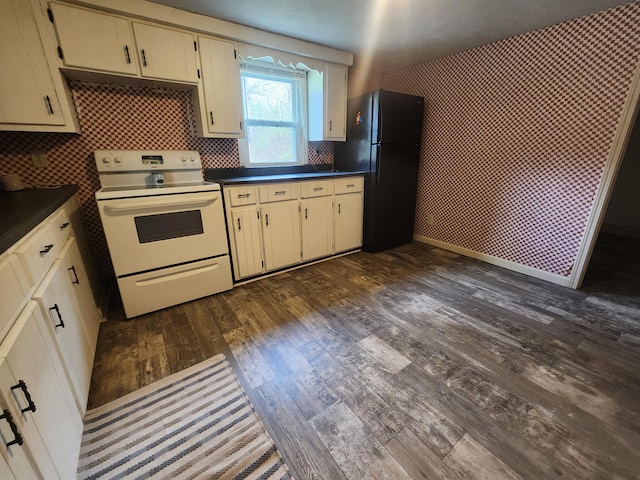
{"points": [[327, 92], [94, 40], [101, 42], [166, 54], [221, 97], [28, 94]]}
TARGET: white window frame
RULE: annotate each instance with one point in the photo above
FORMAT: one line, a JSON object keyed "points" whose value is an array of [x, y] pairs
{"points": [[299, 83]]}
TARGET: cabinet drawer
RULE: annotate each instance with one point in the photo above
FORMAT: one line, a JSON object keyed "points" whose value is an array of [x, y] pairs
{"points": [[239, 196], [320, 188], [278, 192], [349, 185], [38, 252], [61, 226]]}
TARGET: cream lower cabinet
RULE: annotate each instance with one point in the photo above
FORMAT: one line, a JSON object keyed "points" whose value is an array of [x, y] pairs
{"points": [[66, 322], [278, 225], [45, 368], [281, 234], [246, 241], [348, 211], [316, 217], [43, 416]]}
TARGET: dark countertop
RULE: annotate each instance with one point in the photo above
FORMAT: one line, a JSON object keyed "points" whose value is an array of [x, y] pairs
{"points": [[239, 175], [282, 178], [22, 211]]}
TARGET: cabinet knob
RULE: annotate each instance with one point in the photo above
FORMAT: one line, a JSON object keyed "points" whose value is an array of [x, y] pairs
{"points": [[17, 438], [31, 407]]}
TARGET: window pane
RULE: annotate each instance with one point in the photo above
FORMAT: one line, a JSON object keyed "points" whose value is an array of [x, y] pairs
{"points": [[271, 144], [268, 99]]}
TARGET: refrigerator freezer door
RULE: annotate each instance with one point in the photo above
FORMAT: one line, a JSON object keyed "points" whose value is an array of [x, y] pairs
{"points": [[391, 204], [355, 154], [399, 118]]}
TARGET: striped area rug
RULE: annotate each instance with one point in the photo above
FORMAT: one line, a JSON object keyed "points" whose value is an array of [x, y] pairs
{"points": [[197, 423]]}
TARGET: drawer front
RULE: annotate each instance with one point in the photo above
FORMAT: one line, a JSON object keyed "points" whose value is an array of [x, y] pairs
{"points": [[38, 252], [61, 226], [277, 192], [320, 188], [349, 185], [239, 196]]}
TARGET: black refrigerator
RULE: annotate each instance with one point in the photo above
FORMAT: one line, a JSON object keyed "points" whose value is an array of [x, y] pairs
{"points": [[383, 140]]}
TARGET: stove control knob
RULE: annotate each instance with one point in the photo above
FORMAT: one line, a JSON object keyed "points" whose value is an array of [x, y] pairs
{"points": [[106, 160], [193, 159], [117, 160], [184, 159]]}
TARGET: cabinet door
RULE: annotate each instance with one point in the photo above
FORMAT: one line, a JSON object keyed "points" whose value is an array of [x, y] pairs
{"points": [[246, 248], [166, 54], [93, 40], [63, 325], [78, 282], [27, 92], [348, 222], [5, 471], [52, 421], [14, 287], [281, 234], [317, 227], [221, 85], [335, 104]]}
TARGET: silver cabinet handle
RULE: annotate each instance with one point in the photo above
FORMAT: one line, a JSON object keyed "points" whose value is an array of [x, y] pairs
{"points": [[281, 192]]}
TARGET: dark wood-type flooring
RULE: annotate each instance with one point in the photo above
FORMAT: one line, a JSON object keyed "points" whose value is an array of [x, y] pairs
{"points": [[415, 363]]}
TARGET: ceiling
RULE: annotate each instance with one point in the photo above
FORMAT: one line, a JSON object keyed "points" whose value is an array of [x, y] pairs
{"points": [[391, 34]]}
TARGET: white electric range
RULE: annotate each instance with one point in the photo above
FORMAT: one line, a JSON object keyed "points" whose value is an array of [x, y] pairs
{"points": [[164, 226]]}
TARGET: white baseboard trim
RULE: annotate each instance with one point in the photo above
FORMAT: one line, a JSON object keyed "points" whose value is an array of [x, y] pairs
{"points": [[500, 262]]}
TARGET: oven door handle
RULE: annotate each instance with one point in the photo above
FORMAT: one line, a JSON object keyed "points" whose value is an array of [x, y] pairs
{"points": [[123, 207]]}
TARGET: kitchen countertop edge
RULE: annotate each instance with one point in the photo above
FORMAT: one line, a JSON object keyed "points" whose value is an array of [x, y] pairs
{"points": [[282, 178], [24, 210]]}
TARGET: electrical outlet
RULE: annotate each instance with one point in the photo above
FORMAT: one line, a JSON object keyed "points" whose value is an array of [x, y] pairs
{"points": [[39, 159], [429, 219]]}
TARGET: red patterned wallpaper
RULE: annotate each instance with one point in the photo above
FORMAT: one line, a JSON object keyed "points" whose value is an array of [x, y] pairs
{"points": [[118, 116], [517, 133]]}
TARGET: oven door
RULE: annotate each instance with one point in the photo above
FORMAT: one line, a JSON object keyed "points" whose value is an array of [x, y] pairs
{"points": [[145, 233]]}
